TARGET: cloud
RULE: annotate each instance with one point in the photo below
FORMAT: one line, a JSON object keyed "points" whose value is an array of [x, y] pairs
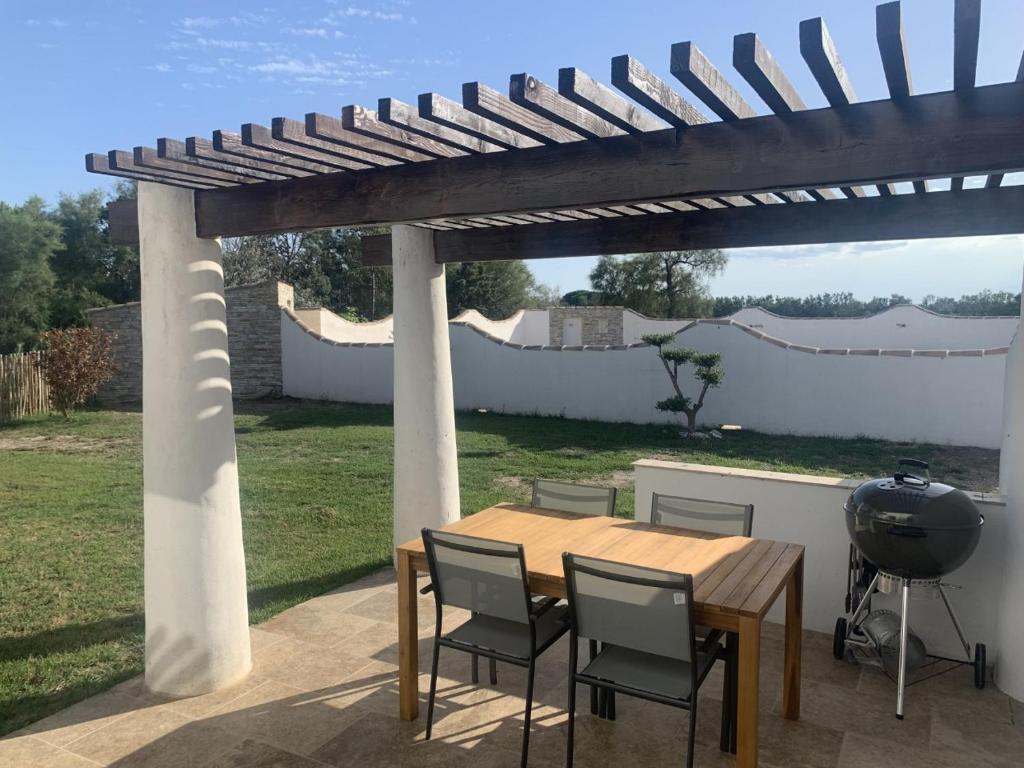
{"points": [[200, 22], [51, 22], [161, 67], [307, 32]]}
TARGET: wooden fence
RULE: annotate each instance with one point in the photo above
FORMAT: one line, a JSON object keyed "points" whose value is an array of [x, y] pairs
{"points": [[23, 388]]}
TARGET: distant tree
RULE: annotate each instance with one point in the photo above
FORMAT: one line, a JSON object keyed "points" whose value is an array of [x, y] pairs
{"points": [[582, 299], [663, 284], [542, 296], [842, 304], [496, 289], [28, 241], [706, 370], [77, 362], [999, 303]]}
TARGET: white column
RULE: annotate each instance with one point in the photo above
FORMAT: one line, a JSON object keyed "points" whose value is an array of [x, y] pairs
{"points": [[1009, 665], [426, 464], [197, 628]]}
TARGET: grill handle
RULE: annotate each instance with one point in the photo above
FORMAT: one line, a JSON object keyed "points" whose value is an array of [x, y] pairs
{"points": [[910, 478]]}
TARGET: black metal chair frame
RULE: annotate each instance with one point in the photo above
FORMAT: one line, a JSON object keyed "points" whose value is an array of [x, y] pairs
{"points": [[710, 648], [534, 611]]}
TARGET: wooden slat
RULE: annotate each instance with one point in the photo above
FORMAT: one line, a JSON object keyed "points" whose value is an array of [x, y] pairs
{"points": [[893, 50], [579, 87], [956, 184], [406, 116], [331, 130], [231, 143], [123, 221], [759, 68], [819, 51], [698, 74], [928, 136], [171, 149], [364, 121], [487, 102], [741, 593], [903, 217], [204, 149], [536, 96], [966, 33], [261, 137], [433, 106], [294, 132], [123, 161], [644, 87], [97, 163], [147, 157]]}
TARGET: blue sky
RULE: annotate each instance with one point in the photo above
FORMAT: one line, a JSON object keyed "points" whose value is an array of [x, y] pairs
{"points": [[94, 75]]}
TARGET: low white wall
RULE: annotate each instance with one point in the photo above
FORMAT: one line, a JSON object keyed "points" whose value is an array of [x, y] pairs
{"points": [[635, 326], [809, 510], [768, 387], [901, 327], [527, 326], [337, 328]]}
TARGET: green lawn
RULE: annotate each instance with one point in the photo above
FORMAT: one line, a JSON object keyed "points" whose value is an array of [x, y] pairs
{"points": [[316, 502]]}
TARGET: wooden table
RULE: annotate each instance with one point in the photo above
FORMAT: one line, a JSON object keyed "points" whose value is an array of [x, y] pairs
{"points": [[735, 581]]}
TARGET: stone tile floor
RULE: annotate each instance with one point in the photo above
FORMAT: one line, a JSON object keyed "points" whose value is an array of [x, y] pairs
{"points": [[323, 692]]}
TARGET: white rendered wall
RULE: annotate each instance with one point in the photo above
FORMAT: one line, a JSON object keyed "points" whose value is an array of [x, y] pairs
{"points": [[426, 462], [948, 400], [809, 510], [337, 328], [635, 326], [197, 623], [527, 326], [902, 327]]}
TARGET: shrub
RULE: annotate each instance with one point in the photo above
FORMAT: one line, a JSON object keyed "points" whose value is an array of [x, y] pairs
{"points": [[76, 363], [706, 370]]}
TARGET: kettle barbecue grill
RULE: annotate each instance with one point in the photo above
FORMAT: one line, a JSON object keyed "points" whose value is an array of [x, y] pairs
{"points": [[906, 532]]}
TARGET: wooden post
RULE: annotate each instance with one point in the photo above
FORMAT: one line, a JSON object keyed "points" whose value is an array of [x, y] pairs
{"points": [[748, 691], [794, 635], [408, 635]]}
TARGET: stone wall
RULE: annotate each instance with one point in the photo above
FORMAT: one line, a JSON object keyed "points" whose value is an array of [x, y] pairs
{"points": [[254, 342], [601, 325]]}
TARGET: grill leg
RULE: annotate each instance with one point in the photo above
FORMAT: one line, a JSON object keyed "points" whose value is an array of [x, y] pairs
{"points": [[901, 682], [956, 623]]}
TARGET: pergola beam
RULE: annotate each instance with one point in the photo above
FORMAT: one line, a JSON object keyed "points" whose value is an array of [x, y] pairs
{"points": [[903, 217], [927, 136]]}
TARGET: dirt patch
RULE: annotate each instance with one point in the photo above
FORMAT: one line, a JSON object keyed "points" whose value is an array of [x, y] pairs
{"points": [[513, 483], [64, 444]]}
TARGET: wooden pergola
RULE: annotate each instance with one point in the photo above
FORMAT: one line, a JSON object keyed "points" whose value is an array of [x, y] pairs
{"points": [[563, 169]]}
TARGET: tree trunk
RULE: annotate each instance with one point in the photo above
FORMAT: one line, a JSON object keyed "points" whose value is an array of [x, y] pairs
{"points": [[691, 422]]}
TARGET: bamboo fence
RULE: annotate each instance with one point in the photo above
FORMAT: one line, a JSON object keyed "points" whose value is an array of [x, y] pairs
{"points": [[23, 388]]}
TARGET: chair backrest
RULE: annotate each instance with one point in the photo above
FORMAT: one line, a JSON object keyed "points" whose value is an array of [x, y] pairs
{"points": [[481, 575], [702, 515], [573, 497], [630, 606]]}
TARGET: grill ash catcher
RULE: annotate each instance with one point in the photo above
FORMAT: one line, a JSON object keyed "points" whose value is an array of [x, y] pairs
{"points": [[906, 533]]}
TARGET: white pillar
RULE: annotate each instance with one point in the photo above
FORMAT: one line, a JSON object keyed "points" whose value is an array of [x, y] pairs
{"points": [[197, 627], [426, 463], [1009, 666]]}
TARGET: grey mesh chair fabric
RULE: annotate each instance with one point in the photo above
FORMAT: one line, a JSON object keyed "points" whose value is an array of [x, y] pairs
{"points": [[702, 515], [643, 619], [489, 579], [573, 497]]}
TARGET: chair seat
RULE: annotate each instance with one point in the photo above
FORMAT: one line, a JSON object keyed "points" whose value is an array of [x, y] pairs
{"points": [[646, 672], [510, 638]]}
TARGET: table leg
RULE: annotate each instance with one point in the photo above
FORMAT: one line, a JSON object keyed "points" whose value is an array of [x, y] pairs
{"points": [[794, 635], [748, 689], [408, 640]]}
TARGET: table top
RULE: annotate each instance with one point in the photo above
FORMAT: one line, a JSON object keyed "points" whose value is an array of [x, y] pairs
{"points": [[731, 574]]}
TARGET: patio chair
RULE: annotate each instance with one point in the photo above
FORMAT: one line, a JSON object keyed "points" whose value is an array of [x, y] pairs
{"points": [[489, 579], [643, 619], [573, 497], [583, 500], [709, 516]]}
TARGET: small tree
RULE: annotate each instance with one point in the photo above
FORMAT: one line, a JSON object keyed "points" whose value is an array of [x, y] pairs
{"points": [[706, 370], [77, 362]]}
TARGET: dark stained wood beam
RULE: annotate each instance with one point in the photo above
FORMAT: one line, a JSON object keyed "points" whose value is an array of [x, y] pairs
{"points": [[579, 87], [124, 163], [97, 163], [203, 149], [692, 68], [231, 143], [537, 96], [927, 136], [261, 137], [332, 131], [147, 157], [294, 132], [433, 106], [938, 214], [123, 221], [966, 33], [407, 117], [364, 121], [487, 102], [644, 87], [822, 58], [171, 149]]}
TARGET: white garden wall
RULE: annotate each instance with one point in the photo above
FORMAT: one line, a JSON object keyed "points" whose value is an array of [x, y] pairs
{"points": [[809, 510], [527, 326]]}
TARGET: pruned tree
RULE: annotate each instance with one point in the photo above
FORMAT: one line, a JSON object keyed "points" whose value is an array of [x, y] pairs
{"points": [[707, 370], [77, 362]]}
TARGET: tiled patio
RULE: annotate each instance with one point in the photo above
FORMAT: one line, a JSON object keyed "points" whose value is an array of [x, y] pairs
{"points": [[324, 692]]}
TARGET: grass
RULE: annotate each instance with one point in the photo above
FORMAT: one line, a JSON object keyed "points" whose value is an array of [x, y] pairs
{"points": [[316, 501]]}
